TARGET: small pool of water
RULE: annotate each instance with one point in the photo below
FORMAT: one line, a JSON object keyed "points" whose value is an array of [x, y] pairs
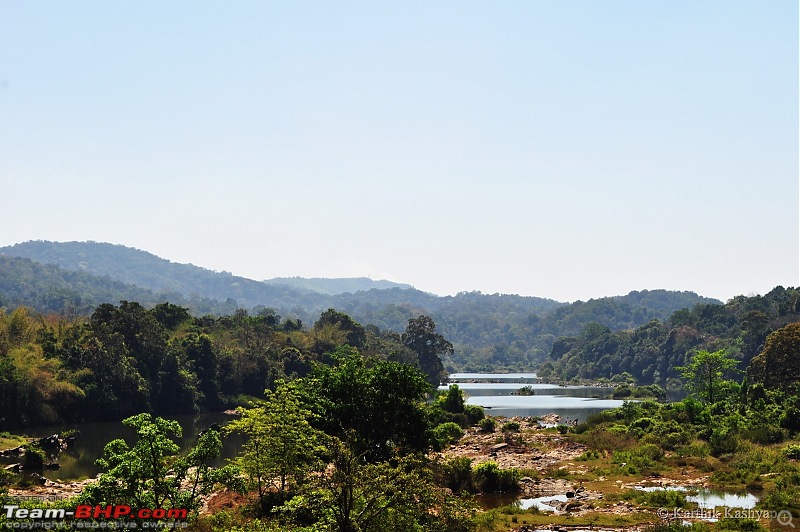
{"points": [[709, 499], [540, 503]]}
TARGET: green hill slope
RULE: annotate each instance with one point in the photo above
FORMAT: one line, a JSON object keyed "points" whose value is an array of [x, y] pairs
{"points": [[336, 286], [489, 331]]}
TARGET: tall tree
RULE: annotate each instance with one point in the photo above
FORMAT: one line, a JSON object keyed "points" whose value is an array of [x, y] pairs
{"points": [[378, 406], [422, 338], [355, 335], [705, 373], [282, 447], [778, 365], [151, 474]]}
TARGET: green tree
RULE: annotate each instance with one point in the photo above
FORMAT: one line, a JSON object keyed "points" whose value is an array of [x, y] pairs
{"points": [[151, 474], [453, 400], [282, 447], [359, 496], [422, 338], [705, 373], [355, 334], [381, 407], [778, 365]]}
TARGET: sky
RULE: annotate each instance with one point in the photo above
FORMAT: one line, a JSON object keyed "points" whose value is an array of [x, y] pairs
{"points": [[563, 149]]}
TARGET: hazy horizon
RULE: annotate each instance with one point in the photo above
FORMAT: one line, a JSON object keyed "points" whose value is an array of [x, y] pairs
{"points": [[402, 282], [567, 150]]}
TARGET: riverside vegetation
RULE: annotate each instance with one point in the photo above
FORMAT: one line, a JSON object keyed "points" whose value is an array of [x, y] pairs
{"points": [[344, 437]]}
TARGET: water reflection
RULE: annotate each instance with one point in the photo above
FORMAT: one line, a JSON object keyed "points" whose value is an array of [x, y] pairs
{"points": [[709, 499], [570, 402], [79, 461]]}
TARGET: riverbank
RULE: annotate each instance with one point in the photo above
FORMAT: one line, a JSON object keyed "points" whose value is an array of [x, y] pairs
{"points": [[583, 488], [569, 478]]}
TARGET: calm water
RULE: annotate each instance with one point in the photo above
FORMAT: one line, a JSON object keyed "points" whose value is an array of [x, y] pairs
{"points": [[79, 461], [506, 377], [710, 499], [570, 402], [705, 499]]}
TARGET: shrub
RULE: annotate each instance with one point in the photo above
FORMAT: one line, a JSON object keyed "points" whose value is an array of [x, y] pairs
{"points": [[447, 433], [643, 459], [453, 399], [487, 424], [765, 434], [488, 477], [643, 423], [604, 440], [622, 392], [456, 474], [618, 429], [588, 455], [34, 457], [792, 452], [699, 450], [664, 498], [474, 413], [511, 426], [723, 440], [743, 525]]}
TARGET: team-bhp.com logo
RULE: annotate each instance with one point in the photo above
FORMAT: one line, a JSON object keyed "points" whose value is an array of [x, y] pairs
{"points": [[87, 516]]}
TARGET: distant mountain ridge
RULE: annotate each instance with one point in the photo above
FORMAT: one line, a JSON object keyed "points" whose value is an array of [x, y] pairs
{"points": [[488, 330], [336, 285]]}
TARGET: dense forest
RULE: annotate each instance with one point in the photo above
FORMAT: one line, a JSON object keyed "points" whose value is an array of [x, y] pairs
{"points": [[126, 359], [488, 331], [653, 352], [345, 437], [344, 428]]}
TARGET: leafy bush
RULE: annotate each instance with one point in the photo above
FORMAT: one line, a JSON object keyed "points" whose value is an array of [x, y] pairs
{"points": [[34, 457], [456, 474], [699, 450], [511, 426], [453, 399], [488, 477], [447, 433], [603, 440], [621, 392], [664, 498], [792, 452], [643, 423], [765, 433], [588, 455], [487, 424], [474, 413], [723, 440], [743, 525], [642, 459]]}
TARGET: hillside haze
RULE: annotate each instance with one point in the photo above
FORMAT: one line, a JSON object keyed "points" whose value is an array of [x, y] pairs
{"points": [[488, 330], [335, 286]]}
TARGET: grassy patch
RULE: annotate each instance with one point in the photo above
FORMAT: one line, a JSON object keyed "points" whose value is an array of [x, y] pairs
{"points": [[497, 520], [9, 441]]}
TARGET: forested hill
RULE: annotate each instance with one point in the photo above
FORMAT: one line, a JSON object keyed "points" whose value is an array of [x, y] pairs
{"points": [[653, 352], [489, 331], [145, 270], [337, 285], [134, 266]]}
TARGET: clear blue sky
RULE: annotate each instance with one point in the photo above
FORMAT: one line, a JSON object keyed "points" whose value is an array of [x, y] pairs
{"points": [[562, 149]]}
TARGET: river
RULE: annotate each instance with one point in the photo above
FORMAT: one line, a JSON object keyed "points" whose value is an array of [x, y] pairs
{"points": [[79, 461], [498, 396], [571, 402]]}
